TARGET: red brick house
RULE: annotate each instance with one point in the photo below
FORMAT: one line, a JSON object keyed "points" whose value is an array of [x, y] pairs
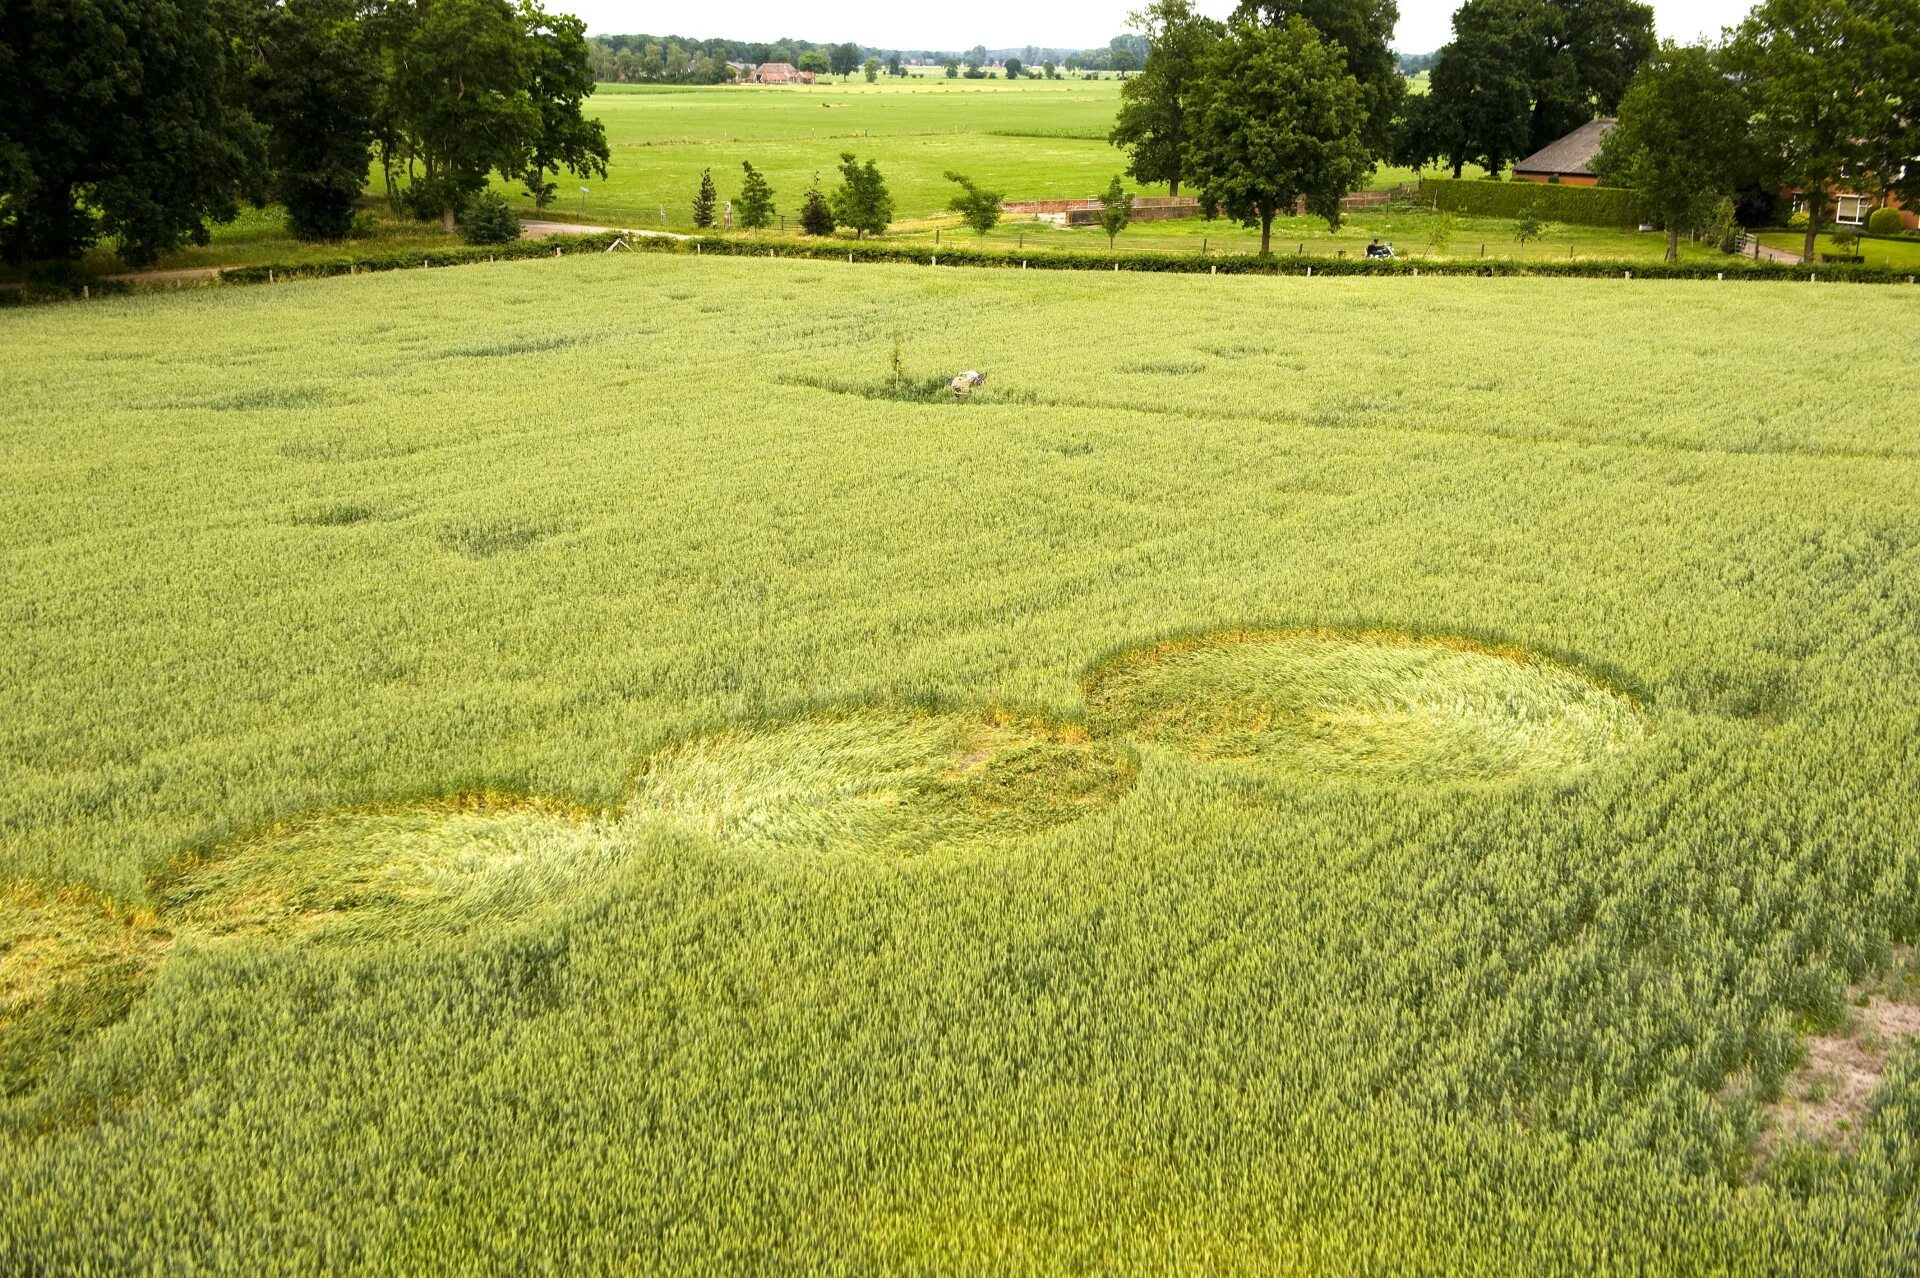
{"points": [[779, 73]]}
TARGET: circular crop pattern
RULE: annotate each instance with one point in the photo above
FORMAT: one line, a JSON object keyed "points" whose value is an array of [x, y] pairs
{"points": [[880, 780], [1344, 703], [378, 866], [70, 962]]}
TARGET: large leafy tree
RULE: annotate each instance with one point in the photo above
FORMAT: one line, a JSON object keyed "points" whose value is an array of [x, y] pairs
{"points": [[559, 80], [1680, 140], [1152, 124], [1481, 88], [1363, 30], [461, 96], [843, 59], [1811, 71], [861, 202], [316, 85], [1278, 119], [1587, 55], [1519, 74], [1892, 29], [121, 118]]}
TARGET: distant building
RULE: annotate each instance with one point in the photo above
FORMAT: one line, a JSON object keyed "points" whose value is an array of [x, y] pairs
{"points": [[779, 73], [1568, 161]]}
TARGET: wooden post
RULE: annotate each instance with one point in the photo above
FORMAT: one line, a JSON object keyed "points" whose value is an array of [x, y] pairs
{"points": [[86, 292]]}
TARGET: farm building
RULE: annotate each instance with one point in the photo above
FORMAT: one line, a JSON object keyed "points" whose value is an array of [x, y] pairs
{"points": [[779, 73], [1568, 161]]}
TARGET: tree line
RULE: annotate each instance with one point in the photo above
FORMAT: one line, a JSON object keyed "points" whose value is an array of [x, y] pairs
{"points": [[1293, 102], [148, 121]]}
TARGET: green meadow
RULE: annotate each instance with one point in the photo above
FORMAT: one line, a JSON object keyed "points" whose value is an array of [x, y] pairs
{"points": [[1029, 139], [606, 765]]}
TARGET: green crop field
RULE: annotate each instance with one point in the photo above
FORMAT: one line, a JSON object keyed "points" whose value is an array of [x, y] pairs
{"points": [[605, 765], [1029, 139]]}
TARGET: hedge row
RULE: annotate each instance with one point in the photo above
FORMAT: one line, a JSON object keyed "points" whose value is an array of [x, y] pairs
{"points": [[1583, 205], [1733, 268], [458, 255]]}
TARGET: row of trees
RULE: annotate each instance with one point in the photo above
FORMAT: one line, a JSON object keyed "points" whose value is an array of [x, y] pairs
{"points": [[1810, 95], [1520, 74], [861, 203], [1287, 102], [148, 120]]}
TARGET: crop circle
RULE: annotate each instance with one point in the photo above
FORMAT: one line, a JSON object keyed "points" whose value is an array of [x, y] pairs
{"points": [[1368, 702]]}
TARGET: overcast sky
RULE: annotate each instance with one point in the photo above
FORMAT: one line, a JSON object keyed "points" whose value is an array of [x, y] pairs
{"points": [[1012, 23]]}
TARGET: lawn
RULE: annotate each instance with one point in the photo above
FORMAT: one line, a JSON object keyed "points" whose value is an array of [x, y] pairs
{"points": [[605, 765], [1878, 252]]}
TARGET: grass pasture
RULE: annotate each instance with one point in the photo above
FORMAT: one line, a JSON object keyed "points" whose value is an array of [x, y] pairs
{"points": [[1031, 139], [565, 766]]}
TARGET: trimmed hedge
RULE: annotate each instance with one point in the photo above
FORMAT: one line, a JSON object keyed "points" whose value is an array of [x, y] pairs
{"points": [[1732, 268], [1581, 205]]}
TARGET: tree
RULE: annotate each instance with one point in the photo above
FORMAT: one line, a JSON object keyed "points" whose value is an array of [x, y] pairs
{"points": [[1125, 60], [893, 65], [815, 62], [1116, 209], [976, 57], [1481, 87], [861, 202], [756, 200], [977, 208], [816, 215], [461, 92], [1587, 54], [315, 85], [1012, 69], [559, 81], [1893, 63], [1152, 124], [1816, 107], [953, 68], [1051, 70], [843, 59], [1529, 226], [1277, 120], [123, 118], [705, 200], [1679, 142], [1363, 30]]}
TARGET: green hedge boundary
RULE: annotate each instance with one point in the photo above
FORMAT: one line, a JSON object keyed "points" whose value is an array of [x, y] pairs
{"points": [[1581, 205], [1729, 268]]}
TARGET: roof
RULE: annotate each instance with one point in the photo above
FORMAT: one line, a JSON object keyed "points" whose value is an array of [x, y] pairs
{"points": [[768, 68], [1571, 156]]}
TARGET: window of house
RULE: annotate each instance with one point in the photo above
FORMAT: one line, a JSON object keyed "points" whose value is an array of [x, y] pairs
{"points": [[1851, 209]]}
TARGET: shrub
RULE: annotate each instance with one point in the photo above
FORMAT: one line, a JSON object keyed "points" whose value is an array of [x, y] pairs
{"points": [[1799, 220], [977, 208], [1582, 205], [756, 200], [704, 200], [489, 220], [1885, 221], [816, 215]]}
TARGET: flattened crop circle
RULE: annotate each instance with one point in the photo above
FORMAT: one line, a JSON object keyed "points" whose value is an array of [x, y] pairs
{"points": [[1362, 703], [888, 781]]}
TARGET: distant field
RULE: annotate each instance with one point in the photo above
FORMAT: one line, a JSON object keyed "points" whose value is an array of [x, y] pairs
{"points": [[607, 766], [1030, 138]]}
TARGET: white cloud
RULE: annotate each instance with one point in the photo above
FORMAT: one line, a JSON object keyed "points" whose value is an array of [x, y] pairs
{"points": [[1424, 24]]}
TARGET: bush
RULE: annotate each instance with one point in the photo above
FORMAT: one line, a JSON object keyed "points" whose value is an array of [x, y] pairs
{"points": [[1885, 221], [816, 215], [489, 220], [1843, 257], [1582, 205], [1799, 220]]}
